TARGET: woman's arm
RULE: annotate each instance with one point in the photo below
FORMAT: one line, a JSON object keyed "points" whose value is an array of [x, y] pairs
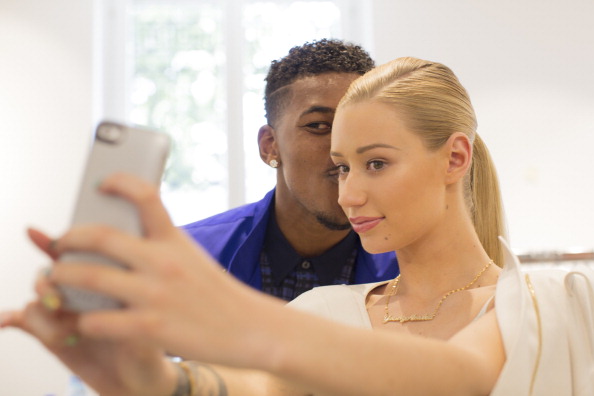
{"points": [[177, 299], [332, 359], [132, 367], [128, 367]]}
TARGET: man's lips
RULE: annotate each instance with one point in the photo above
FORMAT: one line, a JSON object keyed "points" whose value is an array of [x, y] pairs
{"points": [[363, 224]]}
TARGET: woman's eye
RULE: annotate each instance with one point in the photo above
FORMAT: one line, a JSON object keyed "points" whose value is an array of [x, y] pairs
{"points": [[342, 169], [375, 165]]}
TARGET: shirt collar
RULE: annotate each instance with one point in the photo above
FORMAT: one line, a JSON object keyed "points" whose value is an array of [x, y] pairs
{"points": [[284, 259]]}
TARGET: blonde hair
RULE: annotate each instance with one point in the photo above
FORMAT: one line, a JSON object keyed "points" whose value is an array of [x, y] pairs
{"points": [[436, 105]]}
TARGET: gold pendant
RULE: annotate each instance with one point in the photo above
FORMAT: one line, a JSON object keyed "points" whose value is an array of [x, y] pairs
{"points": [[404, 319]]}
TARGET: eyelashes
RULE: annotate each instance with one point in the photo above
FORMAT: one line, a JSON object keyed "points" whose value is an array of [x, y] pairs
{"points": [[370, 166], [376, 165], [319, 128]]}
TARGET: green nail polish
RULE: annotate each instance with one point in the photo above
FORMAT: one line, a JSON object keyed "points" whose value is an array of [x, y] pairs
{"points": [[53, 244], [71, 340]]}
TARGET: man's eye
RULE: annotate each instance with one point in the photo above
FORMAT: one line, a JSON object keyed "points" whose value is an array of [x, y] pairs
{"points": [[319, 127]]}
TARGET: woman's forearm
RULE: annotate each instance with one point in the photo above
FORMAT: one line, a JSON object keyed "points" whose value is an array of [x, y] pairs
{"points": [[307, 355], [202, 379]]}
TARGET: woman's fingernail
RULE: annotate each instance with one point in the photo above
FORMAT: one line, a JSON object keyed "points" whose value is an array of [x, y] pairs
{"points": [[51, 301], [53, 245], [72, 340], [46, 272]]}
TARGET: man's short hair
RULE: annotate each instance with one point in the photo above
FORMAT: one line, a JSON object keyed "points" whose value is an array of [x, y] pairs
{"points": [[311, 59]]}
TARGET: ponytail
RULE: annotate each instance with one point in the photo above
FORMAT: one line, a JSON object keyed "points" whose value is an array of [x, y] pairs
{"points": [[486, 208]]}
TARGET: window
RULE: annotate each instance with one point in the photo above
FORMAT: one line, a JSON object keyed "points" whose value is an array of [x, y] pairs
{"points": [[196, 70]]}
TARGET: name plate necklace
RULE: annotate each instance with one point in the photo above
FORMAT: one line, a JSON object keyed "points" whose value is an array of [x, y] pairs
{"points": [[426, 317]]}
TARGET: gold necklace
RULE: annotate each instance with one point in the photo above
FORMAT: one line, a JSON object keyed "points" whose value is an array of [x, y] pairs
{"points": [[426, 317]]}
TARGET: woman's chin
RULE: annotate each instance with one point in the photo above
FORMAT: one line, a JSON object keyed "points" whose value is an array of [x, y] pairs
{"points": [[373, 247]]}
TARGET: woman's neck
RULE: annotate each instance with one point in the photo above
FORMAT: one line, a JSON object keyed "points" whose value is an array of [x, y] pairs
{"points": [[444, 262]]}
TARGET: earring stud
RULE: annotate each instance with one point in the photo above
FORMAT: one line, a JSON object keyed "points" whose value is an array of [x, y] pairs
{"points": [[273, 163]]}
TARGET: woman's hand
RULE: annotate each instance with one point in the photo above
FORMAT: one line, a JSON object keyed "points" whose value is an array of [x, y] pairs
{"points": [[176, 296], [111, 367]]}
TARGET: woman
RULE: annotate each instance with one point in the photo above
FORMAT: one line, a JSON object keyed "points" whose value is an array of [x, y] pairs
{"points": [[413, 177]]}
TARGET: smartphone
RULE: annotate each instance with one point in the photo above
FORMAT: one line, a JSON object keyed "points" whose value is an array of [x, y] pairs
{"points": [[116, 148]]}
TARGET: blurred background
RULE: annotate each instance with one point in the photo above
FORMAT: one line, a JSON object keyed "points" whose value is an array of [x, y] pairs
{"points": [[195, 69]]}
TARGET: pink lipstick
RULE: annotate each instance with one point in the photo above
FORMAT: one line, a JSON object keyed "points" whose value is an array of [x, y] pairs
{"points": [[364, 224]]}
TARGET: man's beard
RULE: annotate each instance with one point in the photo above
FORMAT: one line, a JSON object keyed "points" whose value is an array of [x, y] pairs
{"points": [[331, 223]]}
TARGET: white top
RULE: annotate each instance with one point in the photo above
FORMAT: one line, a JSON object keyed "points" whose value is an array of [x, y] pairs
{"points": [[546, 318]]}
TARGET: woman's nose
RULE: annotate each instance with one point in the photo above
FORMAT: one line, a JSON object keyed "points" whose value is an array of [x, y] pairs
{"points": [[351, 191]]}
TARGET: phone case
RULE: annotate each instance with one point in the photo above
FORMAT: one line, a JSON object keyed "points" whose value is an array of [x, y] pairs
{"points": [[116, 148]]}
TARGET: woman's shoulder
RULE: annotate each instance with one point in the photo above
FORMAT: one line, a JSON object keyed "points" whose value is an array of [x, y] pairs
{"points": [[325, 293], [341, 303]]}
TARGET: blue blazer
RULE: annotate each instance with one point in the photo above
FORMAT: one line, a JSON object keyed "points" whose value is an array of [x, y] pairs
{"points": [[235, 239]]}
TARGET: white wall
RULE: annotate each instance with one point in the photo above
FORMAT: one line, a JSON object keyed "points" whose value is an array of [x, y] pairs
{"points": [[528, 66], [45, 121]]}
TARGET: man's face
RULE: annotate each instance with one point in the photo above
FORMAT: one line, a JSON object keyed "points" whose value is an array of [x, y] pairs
{"points": [[307, 178]]}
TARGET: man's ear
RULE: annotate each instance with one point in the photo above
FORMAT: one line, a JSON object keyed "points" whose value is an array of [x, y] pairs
{"points": [[459, 149], [267, 144]]}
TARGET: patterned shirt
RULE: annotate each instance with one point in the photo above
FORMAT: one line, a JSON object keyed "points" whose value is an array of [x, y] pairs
{"points": [[285, 274]]}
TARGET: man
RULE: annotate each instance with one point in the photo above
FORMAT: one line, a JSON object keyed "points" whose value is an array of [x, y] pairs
{"points": [[297, 237]]}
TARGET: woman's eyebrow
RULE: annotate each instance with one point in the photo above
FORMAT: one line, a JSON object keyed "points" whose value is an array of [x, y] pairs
{"points": [[363, 149]]}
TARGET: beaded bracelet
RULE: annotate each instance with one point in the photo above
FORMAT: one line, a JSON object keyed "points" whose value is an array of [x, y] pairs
{"points": [[191, 375], [184, 385]]}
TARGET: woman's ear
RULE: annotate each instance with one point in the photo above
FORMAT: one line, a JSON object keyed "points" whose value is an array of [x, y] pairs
{"points": [[267, 144], [459, 149]]}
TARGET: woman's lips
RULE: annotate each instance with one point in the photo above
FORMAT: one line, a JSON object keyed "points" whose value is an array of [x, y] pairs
{"points": [[364, 224]]}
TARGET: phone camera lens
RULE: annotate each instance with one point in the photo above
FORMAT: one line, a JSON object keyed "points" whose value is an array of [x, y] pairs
{"points": [[110, 133]]}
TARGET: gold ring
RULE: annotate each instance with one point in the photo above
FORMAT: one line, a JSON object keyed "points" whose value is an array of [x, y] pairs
{"points": [[51, 301]]}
